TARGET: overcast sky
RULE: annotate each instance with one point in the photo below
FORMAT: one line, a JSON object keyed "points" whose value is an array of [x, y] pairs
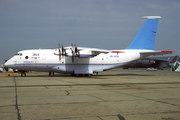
{"points": [[106, 24]]}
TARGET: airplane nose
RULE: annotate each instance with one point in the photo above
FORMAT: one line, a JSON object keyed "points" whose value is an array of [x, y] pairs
{"points": [[8, 63]]}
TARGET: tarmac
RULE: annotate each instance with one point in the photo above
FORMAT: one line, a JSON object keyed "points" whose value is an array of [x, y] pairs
{"points": [[112, 95]]}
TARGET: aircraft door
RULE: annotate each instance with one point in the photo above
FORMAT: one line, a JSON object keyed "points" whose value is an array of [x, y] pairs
{"points": [[44, 56], [102, 62]]}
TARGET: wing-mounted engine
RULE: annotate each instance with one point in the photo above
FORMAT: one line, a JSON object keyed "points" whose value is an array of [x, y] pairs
{"points": [[79, 52], [83, 52], [74, 51]]}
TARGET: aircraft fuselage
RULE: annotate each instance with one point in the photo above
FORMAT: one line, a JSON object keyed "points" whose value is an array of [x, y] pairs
{"points": [[46, 60]]}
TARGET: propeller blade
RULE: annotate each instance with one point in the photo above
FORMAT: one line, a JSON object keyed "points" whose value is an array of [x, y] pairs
{"points": [[64, 51], [59, 52], [75, 51]]}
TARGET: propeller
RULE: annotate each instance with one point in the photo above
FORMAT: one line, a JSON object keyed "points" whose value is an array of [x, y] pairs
{"points": [[62, 51], [59, 53], [75, 51]]}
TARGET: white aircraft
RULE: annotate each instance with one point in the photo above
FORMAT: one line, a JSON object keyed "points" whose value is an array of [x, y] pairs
{"points": [[86, 61]]}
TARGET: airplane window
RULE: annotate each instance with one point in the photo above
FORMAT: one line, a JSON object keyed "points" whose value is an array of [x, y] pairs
{"points": [[26, 57]]}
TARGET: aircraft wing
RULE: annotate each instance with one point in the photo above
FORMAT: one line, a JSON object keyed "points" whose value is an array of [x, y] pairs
{"points": [[89, 52], [99, 51], [92, 52]]}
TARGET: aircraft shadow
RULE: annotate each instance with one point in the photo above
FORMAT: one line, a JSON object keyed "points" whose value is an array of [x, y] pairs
{"points": [[125, 75], [99, 76]]}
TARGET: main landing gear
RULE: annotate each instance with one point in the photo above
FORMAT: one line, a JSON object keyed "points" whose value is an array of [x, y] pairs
{"points": [[81, 75], [50, 73], [23, 74]]}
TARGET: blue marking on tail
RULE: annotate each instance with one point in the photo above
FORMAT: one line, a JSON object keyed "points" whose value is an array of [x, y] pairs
{"points": [[146, 36]]}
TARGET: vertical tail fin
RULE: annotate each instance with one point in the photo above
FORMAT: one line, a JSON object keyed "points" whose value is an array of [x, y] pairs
{"points": [[146, 36]]}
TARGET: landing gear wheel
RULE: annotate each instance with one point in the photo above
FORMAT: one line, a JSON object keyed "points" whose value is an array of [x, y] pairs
{"points": [[49, 73], [72, 74], [90, 75], [23, 74]]}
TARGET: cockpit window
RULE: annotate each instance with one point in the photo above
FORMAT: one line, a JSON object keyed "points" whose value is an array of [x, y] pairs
{"points": [[18, 54]]}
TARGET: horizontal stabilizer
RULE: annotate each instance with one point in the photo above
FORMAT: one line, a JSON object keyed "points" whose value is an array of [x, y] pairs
{"points": [[163, 52], [152, 17]]}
